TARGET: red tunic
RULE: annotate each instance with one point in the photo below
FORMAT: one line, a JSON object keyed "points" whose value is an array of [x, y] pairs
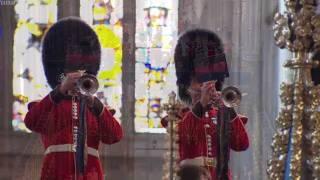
{"points": [[51, 117], [198, 139]]}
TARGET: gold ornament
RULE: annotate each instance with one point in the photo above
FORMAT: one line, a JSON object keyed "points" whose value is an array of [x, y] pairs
{"points": [[170, 167], [298, 30]]}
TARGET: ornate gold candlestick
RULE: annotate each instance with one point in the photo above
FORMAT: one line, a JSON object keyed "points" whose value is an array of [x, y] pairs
{"points": [[298, 130], [170, 167]]}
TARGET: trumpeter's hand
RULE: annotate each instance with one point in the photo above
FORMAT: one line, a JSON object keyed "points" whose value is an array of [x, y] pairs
{"points": [[69, 83], [209, 94], [216, 100], [206, 91]]}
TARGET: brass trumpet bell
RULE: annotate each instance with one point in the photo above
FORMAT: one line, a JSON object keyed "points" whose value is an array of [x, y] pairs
{"points": [[88, 84], [231, 96]]}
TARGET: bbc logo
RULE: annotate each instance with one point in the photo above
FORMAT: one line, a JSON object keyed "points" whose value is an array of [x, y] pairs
{"points": [[8, 2]]}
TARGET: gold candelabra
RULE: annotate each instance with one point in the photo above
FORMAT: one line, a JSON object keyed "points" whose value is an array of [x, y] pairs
{"points": [[298, 122], [170, 166]]}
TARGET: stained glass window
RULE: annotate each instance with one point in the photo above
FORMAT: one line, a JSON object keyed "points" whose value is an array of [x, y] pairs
{"points": [[34, 17], [105, 16], [156, 34]]}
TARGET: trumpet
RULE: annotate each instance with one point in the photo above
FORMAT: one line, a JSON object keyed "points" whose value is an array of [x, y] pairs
{"points": [[231, 96], [88, 84]]}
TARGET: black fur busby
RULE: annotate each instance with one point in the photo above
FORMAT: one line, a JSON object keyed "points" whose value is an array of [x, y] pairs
{"points": [[199, 55], [70, 45]]}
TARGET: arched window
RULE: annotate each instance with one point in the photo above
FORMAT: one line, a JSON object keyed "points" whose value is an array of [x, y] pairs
{"points": [[156, 35], [105, 16], [34, 17]]}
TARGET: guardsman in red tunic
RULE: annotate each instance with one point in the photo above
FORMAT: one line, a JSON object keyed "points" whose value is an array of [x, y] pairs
{"points": [[201, 69], [71, 45]]}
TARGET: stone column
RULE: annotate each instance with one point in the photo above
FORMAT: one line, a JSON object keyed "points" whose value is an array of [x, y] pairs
{"points": [[68, 8]]}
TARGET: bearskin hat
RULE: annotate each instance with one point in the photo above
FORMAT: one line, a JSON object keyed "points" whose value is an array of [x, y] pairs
{"points": [[70, 45], [199, 54]]}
